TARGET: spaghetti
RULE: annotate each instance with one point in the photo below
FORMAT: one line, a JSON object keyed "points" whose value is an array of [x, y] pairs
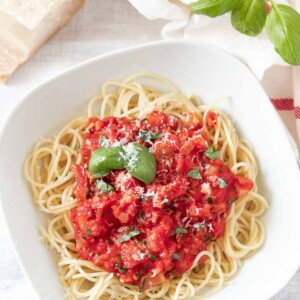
{"points": [[48, 171]]}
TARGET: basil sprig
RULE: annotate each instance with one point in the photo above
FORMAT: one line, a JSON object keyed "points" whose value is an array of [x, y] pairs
{"points": [[249, 17], [135, 158], [104, 160], [140, 162], [213, 8], [283, 28]]}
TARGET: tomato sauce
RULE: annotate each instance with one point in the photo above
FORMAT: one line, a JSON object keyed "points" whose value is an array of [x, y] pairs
{"points": [[147, 234]]}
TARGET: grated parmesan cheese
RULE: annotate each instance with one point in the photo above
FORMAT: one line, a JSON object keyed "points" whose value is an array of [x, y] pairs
{"points": [[121, 142], [205, 188], [130, 156]]}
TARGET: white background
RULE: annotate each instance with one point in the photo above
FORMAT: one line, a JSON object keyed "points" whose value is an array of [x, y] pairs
{"points": [[101, 26]]}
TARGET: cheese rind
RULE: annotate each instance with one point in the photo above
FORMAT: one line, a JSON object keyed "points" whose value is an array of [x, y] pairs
{"points": [[19, 42]]}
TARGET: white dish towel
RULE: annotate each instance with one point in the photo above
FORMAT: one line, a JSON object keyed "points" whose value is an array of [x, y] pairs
{"points": [[282, 84]]}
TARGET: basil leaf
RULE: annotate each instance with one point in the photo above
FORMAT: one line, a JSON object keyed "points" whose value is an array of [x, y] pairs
{"points": [[129, 235], [213, 8], [249, 17], [283, 23], [194, 174], [176, 256], [104, 160], [104, 187], [222, 183], [181, 230], [88, 231], [139, 162], [145, 135], [101, 173], [212, 153]]}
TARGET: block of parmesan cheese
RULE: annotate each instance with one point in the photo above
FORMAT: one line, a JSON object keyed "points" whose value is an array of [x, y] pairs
{"points": [[26, 24]]}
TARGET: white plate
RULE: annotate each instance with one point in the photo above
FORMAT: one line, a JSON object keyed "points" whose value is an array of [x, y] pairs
{"points": [[197, 69]]}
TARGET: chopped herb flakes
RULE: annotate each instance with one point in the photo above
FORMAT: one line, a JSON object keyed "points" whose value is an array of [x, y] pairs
{"points": [[185, 199], [88, 231], [194, 174], [145, 135], [89, 194], [209, 200], [181, 230], [222, 183], [199, 226], [103, 186], [212, 153], [176, 256], [129, 235], [121, 268]]}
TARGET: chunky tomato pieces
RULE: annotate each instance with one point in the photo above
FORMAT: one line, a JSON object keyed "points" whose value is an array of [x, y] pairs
{"points": [[147, 234]]}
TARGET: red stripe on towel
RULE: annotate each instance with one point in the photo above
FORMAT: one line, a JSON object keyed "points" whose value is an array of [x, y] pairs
{"points": [[283, 104], [297, 112]]}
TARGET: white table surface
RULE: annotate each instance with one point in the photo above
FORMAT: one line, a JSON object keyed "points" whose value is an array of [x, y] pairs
{"points": [[101, 26]]}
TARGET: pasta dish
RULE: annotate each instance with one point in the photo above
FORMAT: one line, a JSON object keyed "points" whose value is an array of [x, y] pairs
{"points": [[151, 195]]}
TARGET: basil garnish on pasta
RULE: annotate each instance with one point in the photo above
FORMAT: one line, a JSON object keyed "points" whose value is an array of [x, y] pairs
{"points": [[134, 157], [104, 187], [104, 160], [212, 153], [195, 173], [250, 17], [145, 135], [129, 235], [180, 230], [176, 256]]}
